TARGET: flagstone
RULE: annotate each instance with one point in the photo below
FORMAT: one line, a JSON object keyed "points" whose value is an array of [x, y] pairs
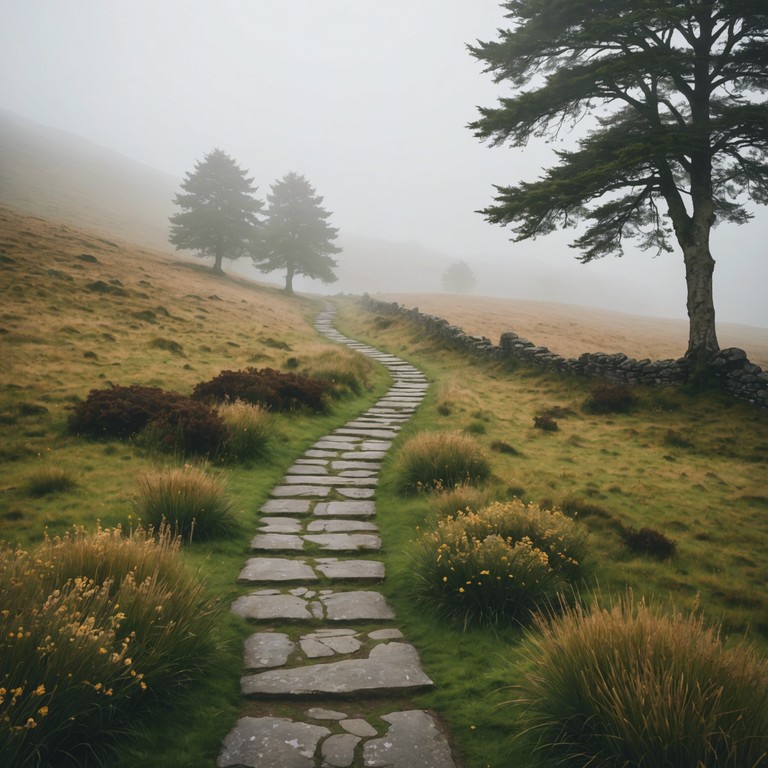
{"points": [[286, 507], [263, 650], [277, 542], [345, 542], [298, 491], [345, 509], [333, 568], [275, 569]]}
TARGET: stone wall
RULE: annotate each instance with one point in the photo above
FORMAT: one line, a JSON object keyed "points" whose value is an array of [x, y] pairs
{"points": [[738, 376]]}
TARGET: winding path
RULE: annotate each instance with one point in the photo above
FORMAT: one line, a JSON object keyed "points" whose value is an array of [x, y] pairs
{"points": [[315, 565]]}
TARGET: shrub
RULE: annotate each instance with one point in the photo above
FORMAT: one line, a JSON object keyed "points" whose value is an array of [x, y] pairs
{"points": [[49, 479], [249, 428], [610, 397], [267, 387], [440, 460], [460, 498], [631, 686], [92, 627], [498, 564], [345, 371], [190, 500], [648, 541], [187, 427], [501, 447], [545, 423]]}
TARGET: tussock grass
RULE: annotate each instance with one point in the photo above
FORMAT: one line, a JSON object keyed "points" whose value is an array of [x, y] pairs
{"points": [[49, 479], [191, 500], [460, 498], [438, 460], [498, 564], [94, 627], [250, 430], [347, 371], [633, 685]]}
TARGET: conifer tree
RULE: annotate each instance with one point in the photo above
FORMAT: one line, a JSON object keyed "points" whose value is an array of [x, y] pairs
{"points": [[219, 213]]}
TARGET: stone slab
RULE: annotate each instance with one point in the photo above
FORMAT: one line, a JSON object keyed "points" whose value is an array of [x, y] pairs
{"points": [[306, 469], [359, 727], [371, 432], [374, 466], [362, 570], [330, 445], [271, 742], [263, 607], [411, 740], [390, 668], [262, 569], [286, 507], [363, 455], [358, 605], [320, 454], [356, 493], [345, 542], [264, 650], [339, 750], [320, 713], [279, 525], [346, 509], [299, 491], [332, 525], [277, 542], [331, 480]]}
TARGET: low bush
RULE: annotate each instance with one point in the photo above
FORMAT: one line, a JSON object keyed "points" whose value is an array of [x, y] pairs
{"points": [[345, 371], [440, 460], [273, 389], [648, 541], [92, 628], [188, 428], [610, 397], [498, 564], [631, 686], [249, 430], [49, 479], [501, 447], [546, 423], [191, 501]]}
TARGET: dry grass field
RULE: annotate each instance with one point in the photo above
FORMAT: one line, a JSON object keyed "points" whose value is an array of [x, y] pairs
{"points": [[571, 330]]}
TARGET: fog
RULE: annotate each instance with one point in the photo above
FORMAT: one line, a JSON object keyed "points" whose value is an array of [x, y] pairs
{"points": [[369, 99]]}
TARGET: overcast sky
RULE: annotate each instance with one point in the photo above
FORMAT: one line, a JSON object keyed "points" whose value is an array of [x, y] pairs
{"points": [[369, 99]]}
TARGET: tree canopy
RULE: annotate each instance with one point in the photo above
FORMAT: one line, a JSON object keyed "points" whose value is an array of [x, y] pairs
{"points": [[219, 213], [677, 135], [297, 236], [459, 278]]}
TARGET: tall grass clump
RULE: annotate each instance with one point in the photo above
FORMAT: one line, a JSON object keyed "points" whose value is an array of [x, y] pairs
{"points": [[630, 685], [190, 500], [498, 564], [49, 479], [249, 428], [94, 627], [440, 460], [460, 498], [347, 372]]}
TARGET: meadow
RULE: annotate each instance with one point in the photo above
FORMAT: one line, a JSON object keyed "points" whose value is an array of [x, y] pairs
{"points": [[83, 312]]}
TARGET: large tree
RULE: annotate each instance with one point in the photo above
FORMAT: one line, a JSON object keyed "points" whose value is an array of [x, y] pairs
{"points": [[459, 278], [297, 236], [677, 130], [219, 213]]}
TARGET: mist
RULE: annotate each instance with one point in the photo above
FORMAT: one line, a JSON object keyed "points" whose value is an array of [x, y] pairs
{"points": [[370, 101]]}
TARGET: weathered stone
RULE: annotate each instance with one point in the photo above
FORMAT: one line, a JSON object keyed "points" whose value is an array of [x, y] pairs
{"points": [[262, 607], [411, 740], [363, 455], [269, 742], [277, 542], [307, 469], [299, 491], [341, 526], [370, 465], [324, 454], [345, 542], [353, 606], [339, 750], [330, 445], [279, 525], [359, 727], [390, 668], [275, 569], [383, 433], [286, 507], [314, 649], [357, 493], [351, 569], [385, 634], [263, 650], [318, 713], [346, 509], [330, 480]]}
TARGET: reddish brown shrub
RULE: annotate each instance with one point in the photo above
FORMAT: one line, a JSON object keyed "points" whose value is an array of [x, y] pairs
{"points": [[267, 387], [610, 397]]}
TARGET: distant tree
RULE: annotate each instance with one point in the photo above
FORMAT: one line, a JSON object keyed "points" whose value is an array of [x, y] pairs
{"points": [[297, 236], [219, 213], [459, 278], [673, 88]]}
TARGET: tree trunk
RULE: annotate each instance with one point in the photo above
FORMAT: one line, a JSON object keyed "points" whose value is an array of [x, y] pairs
{"points": [[289, 281], [218, 258], [702, 337]]}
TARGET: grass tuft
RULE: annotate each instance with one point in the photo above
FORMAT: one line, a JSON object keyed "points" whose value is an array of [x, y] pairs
{"points": [[250, 430], [48, 479]]}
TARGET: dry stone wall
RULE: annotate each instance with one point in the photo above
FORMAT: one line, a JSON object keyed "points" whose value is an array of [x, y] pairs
{"points": [[737, 374]]}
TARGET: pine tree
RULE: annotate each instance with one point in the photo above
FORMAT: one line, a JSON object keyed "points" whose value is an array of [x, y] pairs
{"points": [[219, 213], [679, 128], [297, 236]]}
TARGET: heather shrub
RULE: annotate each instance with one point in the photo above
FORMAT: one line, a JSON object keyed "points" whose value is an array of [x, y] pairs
{"points": [[187, 428], [48, 479], [272, 389], [190, 500], [345, 371], [498, 564], [648, 541], [92, 627], [249, 430], [610, 397], [630, 685], [440, 460], [546, 423]]}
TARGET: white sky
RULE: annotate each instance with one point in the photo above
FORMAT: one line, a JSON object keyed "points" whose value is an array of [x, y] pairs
{"points": [[368, 99]]}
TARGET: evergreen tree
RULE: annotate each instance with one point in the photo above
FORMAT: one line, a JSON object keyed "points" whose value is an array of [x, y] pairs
{"points": [[219, 213], [459, 278], [679, 131], [297, 236]]}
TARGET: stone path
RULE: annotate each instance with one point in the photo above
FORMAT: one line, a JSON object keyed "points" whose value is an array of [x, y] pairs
{"points": [[315, 567]]}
